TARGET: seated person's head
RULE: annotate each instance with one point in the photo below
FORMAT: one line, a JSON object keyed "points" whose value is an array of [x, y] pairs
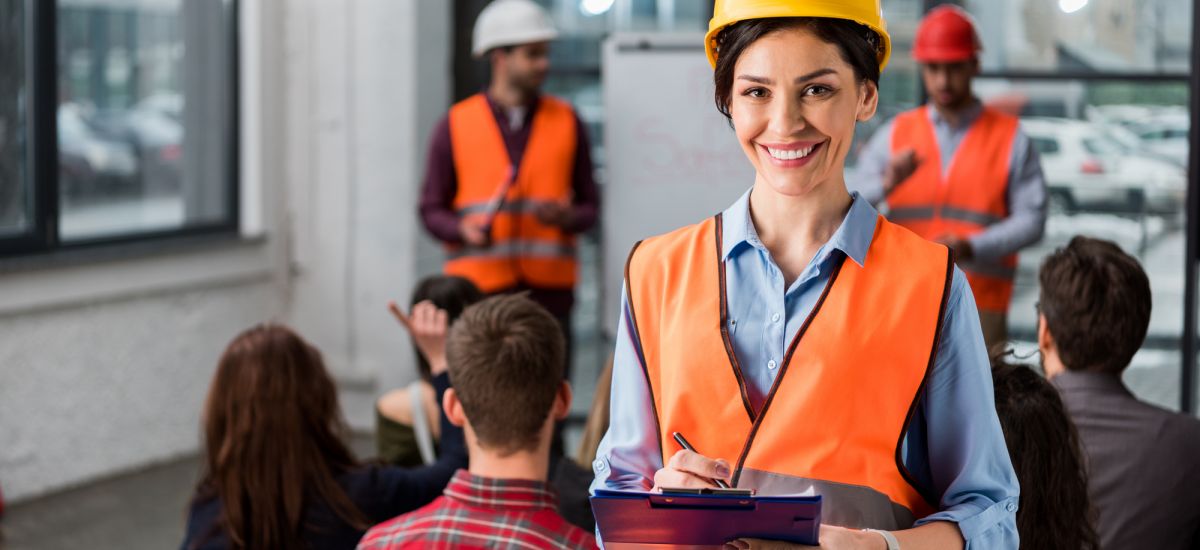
{"points": [[506, 356], [273, 437], [1045, 450], [1094, 307], [449, 293]]}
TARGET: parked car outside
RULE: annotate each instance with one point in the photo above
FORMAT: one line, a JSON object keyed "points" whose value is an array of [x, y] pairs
{"points": [[89, 163], [1088, 168]]}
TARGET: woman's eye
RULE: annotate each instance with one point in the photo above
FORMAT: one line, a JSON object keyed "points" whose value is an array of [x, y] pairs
{"points": [[818, 90], [755, 92]]}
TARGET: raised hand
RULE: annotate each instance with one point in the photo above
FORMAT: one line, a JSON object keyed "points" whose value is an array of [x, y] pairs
{"points": [[428, 326]]}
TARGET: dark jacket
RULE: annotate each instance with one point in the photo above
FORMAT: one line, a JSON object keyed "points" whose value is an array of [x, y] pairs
{"points": [[1143, 464], [379, 492]]}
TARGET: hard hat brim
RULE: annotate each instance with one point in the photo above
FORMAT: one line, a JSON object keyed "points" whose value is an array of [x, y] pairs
{"points": [[944, 55], [789, 11], [514, 40]]}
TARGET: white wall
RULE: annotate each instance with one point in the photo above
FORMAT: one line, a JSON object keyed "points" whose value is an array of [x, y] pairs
{"points": [[104, 364], [369, 79]]}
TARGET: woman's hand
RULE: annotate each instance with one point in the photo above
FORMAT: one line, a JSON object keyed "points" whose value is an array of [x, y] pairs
{"points": [[832, 537], [691, 470], [428, 326]]}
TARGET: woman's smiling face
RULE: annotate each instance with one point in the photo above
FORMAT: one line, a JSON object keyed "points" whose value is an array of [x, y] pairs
{"points": [[794, 104]]}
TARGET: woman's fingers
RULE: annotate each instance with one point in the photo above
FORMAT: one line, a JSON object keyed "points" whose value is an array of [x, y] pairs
{"points": [[425, 320], [669, 478], [441, 319], [399, 315], [700, 465], [688, 469]]}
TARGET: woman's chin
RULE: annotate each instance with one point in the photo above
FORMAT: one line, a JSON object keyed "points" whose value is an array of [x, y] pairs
{"points": [[792, 187]]}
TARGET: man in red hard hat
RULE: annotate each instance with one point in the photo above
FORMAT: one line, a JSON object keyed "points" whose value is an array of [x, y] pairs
{"points": [[958, 172]]}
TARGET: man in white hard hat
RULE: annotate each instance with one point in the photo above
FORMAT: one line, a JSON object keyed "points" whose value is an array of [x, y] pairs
{"points": [[508, 182]]}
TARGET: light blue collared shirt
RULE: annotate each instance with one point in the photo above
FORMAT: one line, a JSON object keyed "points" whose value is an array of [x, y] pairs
{"points": [[954, 446]]}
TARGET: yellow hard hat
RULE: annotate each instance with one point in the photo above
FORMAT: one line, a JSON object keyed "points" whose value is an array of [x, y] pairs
{"points": [[863, 12]]}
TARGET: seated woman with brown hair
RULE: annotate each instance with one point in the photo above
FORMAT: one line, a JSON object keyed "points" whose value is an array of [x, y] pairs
{"points": [[277, 471], [406, 419], [1054, 512]]}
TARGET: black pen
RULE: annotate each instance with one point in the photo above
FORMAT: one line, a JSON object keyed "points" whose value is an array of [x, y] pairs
{"points": [[688, 446]]}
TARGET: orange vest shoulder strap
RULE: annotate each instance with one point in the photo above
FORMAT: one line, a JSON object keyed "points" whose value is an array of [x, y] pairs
{"points": [[660, 269]]}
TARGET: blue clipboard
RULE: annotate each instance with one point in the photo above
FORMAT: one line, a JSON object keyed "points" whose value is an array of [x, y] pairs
{"points": [[664, 520]]}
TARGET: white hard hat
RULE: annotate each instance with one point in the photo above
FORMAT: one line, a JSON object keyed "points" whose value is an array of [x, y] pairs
{"points": [[510, 23]]}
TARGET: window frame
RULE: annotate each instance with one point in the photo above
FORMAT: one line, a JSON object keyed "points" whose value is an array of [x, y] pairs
{"points": [[42, 154]]}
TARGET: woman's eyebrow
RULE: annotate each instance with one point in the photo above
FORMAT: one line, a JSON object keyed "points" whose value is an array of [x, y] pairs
{"points": [[814, 74], [756, 79], [802, 78]]}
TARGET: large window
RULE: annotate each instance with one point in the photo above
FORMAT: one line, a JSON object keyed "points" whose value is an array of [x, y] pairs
{"points": [[15, 206], [117, 121], [1102, 88]]}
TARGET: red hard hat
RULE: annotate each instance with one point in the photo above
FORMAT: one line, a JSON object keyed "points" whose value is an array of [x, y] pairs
{"points": [[946, 35]]}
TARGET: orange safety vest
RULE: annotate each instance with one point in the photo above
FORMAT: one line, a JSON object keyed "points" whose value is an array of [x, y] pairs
{"points": [[523, 250], [840, 405], [964, 202]]}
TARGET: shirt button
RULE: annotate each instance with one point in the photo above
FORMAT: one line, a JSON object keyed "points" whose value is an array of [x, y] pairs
{"points": [[772, 364], [775, 318], [1012, 507], [598, 465]]}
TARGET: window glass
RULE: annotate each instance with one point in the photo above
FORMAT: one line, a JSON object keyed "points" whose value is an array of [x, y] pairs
{"points": [[15, 193], [1113, 175], [1093, 36], [144, 118]]}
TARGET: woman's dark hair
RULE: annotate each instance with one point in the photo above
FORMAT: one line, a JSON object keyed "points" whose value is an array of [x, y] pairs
{"points": [[449, 293], [1045, 450], [860, 47], [274, 440]]}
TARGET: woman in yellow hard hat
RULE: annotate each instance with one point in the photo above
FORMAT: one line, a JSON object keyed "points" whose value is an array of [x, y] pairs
{"points": [[798, 340]]}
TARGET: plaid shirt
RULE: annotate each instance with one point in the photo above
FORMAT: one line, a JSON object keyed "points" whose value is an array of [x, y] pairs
{"points": [[480, 512]]}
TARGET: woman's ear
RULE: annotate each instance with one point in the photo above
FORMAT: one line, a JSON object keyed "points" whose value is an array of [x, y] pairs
{"points": [[868, 101]]}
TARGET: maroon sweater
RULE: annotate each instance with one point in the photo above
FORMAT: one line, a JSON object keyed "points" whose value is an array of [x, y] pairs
{"points": [[441, 185]]}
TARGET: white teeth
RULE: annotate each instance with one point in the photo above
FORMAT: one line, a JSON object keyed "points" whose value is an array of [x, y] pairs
{"points": [[792, 154]]}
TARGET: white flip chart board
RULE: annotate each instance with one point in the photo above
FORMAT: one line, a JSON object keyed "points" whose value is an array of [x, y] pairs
{"points": [[672, 159]]}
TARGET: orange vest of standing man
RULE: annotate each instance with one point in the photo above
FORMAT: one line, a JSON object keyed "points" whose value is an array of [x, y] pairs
{"points": [[965, 200], [522, 250], [836, 415]]}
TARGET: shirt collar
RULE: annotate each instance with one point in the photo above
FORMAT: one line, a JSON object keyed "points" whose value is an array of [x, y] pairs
{"points": [[853, 237], [502, 114], [1075, 380], [969, 115], [505, 494]]}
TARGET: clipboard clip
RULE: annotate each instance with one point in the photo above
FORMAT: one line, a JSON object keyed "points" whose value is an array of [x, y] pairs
{"points": [[697, 502], [707, 491]]}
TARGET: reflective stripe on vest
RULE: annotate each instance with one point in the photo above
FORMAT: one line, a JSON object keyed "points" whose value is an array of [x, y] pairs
{"points": [[836, 414], [522, 250], [966, 200], [510, 249]]}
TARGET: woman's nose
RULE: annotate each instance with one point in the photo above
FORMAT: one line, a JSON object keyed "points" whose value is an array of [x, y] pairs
{"points": [[788, 117]]}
